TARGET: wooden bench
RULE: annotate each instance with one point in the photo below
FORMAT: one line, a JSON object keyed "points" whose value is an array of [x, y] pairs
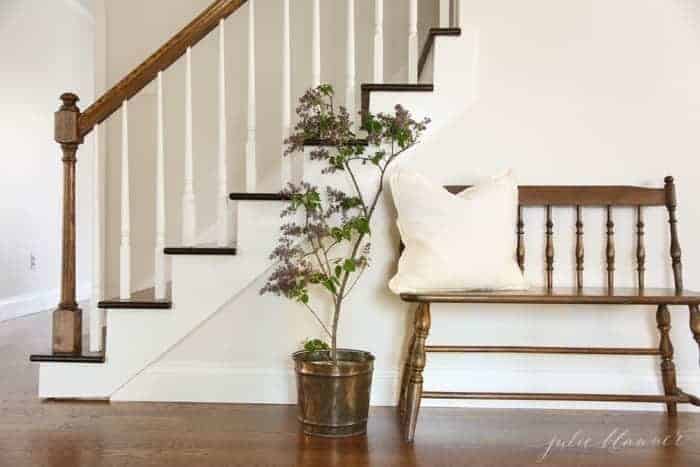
{"points": [[577, 198]]}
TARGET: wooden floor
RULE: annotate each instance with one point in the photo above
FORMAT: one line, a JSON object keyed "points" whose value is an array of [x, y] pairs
{"points": [[73, 434]]}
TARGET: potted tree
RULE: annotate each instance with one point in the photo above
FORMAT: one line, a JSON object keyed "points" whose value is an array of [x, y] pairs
{"points": [[325, 246]]}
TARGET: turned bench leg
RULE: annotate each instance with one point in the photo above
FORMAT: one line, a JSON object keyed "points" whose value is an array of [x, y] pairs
{"points": [[668, 368], [414, 390], [695, 322], [406, 376]]}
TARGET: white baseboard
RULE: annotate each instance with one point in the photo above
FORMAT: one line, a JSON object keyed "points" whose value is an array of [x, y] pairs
{"points": [[204, 383], [27, 304]]}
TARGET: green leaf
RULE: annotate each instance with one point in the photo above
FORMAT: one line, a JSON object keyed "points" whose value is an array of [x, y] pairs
{"points": [[315, 345], [338, 271], [330, 285], [349, 265], [337, 233], [362, 225], [326, 89]]}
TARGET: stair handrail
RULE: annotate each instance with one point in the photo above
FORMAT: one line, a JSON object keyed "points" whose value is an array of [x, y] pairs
{"points": [[163, 58], [71, 127]]}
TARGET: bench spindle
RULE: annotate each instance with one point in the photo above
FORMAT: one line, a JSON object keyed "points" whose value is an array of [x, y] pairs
{"points": [[579, 248], [549, 248], [641, 249], [671, 204], [610, 249], [521, 240]]}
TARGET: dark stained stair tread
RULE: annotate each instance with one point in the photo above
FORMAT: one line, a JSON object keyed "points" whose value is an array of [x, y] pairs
{"points": [[135, 304], [202, 251], [140, 300], [326, 142], [258, 197], [68, 358]]}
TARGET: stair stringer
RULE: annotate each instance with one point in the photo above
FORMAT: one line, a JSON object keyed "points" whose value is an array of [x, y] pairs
{"points": [[138, 338]]}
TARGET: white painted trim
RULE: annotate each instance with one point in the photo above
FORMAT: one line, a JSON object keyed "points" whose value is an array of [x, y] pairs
{"points": [[28, 304], [81, 9], [413, 41], [189, 210], [350, 60], [125, 243], [316, 43], [222, 200], [202, 382], [160, 274], [286, 172], [445, 19], [378, 59], [97, 316], [251, 177]]}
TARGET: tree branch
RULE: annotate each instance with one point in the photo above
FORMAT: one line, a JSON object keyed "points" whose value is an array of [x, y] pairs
{"points": [[354, 283], [348, 169], [323, 325]]}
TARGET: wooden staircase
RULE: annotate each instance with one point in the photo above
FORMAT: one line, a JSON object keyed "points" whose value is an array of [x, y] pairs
{"points": [[73, 126]]}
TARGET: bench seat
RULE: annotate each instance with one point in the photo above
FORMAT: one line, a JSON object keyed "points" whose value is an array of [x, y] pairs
{"points": [[564, 296]]}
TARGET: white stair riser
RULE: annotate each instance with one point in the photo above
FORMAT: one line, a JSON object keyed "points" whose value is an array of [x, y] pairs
{"points": [[259, 227]]}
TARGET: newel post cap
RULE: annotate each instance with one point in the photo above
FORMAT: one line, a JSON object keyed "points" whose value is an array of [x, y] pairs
{"points": [[69, 101], [67, 120]]}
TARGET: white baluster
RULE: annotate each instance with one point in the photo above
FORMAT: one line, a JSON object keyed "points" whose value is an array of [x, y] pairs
{"points": [[159, 254], [316, 44], [222, 236], [350, 61], [445, 13], [96, 315], [286, 90], [378, 41], [125, 246], [454, 13], [251, 170], [189, 214], [413, 42]]}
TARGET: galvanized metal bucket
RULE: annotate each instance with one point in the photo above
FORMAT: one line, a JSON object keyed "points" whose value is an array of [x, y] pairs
{"points": [[333, 400]]}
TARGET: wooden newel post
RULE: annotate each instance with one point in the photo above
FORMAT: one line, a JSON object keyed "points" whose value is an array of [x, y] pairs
{"points": [[67, 319]]}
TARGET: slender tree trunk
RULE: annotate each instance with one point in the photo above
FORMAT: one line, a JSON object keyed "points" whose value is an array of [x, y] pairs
{"points": [[334, 330]]}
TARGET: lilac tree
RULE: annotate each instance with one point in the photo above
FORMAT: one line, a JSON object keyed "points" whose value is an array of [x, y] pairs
{"points": [[325, 242]]}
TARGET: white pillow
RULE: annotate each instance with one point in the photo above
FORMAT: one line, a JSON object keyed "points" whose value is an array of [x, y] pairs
{"points": [[463, 242]]}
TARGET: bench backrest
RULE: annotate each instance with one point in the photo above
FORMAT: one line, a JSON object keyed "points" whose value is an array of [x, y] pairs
{"points": [[607, 197]]}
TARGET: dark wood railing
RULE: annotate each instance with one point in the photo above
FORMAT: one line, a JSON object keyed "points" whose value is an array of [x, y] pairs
{"points": [[71, 128], [168, 54]]}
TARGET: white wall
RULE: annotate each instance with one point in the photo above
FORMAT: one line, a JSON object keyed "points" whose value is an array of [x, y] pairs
{"points": [[132, 38], [590, 92], [47, 49]]}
